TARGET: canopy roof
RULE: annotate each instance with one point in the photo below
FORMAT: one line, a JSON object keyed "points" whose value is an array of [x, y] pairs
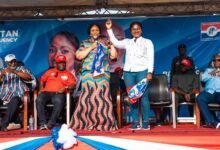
{"points": [[19, 9]]}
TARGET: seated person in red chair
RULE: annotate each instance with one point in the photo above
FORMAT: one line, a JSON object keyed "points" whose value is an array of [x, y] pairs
{"points": [[13, 86], [53, 85], [185, 83], [211, 93]]}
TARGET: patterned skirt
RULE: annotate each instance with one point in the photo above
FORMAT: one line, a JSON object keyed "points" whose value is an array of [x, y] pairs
{"points": [[94, 110]]}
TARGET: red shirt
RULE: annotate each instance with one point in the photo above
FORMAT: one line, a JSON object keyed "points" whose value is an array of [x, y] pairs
{"points": [[55, 80]]}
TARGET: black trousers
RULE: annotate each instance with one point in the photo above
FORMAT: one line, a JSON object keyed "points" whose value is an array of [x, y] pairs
{"points": [[115, 83], [12, 111], [57, 99], [114, 86]]}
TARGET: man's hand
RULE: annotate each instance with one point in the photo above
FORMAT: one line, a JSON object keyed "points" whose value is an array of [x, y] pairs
{"points": [[108, 24], [62, 90], [149, 76], [132, 101], [214, 73], [187, 97]]}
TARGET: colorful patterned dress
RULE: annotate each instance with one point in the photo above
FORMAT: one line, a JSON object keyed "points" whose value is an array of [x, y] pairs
{"points": [[94, 110]]}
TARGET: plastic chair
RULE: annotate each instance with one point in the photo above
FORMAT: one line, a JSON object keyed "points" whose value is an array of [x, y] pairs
{"points": [[159, 95], [23, 109], [49, 105]]}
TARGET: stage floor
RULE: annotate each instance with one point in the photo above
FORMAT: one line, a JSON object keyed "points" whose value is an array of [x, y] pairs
{"points": [[185, 136]]}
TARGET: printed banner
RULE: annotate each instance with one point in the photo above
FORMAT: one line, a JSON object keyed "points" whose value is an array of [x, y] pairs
{"points": [[37, 42]]}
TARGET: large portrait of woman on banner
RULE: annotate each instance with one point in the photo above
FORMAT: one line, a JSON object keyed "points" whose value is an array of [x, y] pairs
{"points": [[65, 43]]}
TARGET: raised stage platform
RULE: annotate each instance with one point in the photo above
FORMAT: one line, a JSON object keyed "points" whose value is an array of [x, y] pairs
{"points": [[185, 136]]}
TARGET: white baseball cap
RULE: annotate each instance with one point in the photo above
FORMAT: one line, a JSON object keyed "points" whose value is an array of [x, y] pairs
{"points": [[9, 57]]}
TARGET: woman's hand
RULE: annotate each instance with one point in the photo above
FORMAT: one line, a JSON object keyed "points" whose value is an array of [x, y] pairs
{"points": [[149, 76], [108, 24], [113, 52], [93, 46]]}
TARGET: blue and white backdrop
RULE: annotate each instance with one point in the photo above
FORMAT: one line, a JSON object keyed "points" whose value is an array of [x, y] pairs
{"points": [[29, 39]]}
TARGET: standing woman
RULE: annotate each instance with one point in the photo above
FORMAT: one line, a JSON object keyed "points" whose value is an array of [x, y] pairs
{"points": [[139, 61], [94, 110]]}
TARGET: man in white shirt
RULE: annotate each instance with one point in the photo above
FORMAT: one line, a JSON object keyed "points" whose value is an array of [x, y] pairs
{"points": [[139, 61], [211, 93]]}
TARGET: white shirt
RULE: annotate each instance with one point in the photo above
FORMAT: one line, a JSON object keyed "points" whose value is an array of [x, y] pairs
{"points": [[139, 54]]}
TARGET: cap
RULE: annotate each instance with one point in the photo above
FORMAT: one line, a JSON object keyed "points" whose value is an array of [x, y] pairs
{"points": [[186, 62], [60, 58], [9, 57], [181, 46]]}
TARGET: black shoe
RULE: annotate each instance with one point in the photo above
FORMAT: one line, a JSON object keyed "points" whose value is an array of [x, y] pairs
{"points": [[135, 126], [43, 127], [159, 123], [3, 129], [214, 125], [145, 125], [49, 125]]}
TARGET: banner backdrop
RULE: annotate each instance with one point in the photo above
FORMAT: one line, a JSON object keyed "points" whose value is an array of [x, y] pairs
{"points": [[29, 40]]}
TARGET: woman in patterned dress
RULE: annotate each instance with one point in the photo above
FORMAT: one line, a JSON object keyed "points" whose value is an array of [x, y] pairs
{"points": [[94, 110]]}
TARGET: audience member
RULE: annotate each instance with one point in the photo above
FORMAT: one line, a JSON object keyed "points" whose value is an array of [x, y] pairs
{"points": [[185, 83], [53, 85], [211, 93], [176, 62], [12, 82]]}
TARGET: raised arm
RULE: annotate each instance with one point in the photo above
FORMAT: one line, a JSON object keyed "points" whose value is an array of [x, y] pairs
{"points": [[118, 44]]}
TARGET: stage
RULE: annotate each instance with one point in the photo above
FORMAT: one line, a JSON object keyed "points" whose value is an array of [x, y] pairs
{"points": [[185, 136]]}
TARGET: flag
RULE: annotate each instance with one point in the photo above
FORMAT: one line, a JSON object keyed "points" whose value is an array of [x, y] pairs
{"points": [[138, 90], [210, 31]]}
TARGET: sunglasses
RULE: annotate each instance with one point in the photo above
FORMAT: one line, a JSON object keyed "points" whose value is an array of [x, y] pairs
{"points": [[216, 60], [13, 61]]}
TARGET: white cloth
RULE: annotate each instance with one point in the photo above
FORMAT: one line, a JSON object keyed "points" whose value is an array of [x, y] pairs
{"points": [[139, 54]]}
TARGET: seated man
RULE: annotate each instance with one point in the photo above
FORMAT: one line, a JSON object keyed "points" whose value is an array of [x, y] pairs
{"points": [[12, 82], [53, 85], [176, 62], [186, 83], [211, 94]]}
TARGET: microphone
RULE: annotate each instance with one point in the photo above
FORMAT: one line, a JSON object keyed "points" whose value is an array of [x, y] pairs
{"points": [[96, 40]]}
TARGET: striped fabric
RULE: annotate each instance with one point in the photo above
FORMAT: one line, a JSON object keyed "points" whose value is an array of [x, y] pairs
{"points": [[12, 85], [94, 110]]}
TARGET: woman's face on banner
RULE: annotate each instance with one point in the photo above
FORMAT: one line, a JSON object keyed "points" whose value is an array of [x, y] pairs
{"points": [[62, 46]]}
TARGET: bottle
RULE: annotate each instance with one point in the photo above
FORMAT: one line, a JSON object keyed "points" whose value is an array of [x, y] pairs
{"points": [[31, 123]]}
